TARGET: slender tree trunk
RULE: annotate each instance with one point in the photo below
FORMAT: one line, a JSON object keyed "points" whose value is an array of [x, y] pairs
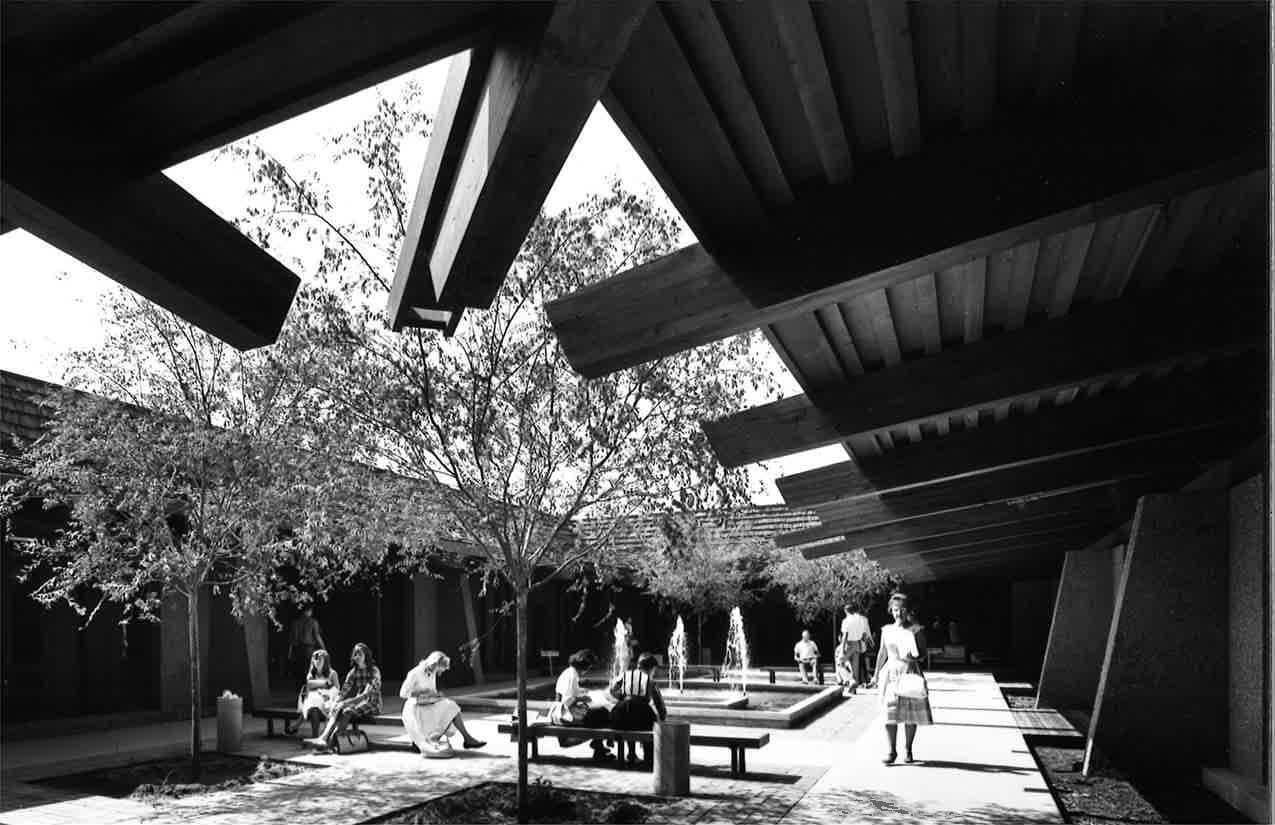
{"points": [[699, 638], [196, 685], [521, 679]]}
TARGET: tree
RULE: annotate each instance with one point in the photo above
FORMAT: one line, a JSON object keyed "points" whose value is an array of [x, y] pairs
{"points": [[215, 474], [163, 505], [496, 415], [704, 563], [817, 589]]}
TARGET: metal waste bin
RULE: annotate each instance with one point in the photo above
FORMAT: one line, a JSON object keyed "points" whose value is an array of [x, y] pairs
{"points": [[229, 723]]}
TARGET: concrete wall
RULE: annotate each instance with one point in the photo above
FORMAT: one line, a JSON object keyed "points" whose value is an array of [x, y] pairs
{"points": [[1247, 621], [1164, 674], [1078, 634]]}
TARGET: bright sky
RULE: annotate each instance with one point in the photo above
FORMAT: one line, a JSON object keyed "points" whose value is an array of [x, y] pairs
{"points": [[48, 300]]}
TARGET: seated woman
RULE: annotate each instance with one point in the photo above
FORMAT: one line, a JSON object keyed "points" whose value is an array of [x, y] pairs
{"points": [[320, 691], [429, 716], [360, 696], [637, 692], [572, 705]]}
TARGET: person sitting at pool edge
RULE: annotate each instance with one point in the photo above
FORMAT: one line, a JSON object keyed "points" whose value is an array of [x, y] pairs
{"points": [[806, 654]]}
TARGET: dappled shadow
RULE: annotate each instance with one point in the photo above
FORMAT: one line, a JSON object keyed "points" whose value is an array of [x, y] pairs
{"points": [[703, 771], [882, 807]]}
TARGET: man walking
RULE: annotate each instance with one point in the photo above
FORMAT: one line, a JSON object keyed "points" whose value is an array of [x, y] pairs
{"points": [[304, 638], [855, 640]]}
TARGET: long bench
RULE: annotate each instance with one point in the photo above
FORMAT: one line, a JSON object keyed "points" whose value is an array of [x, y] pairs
{"points": [[288, 714], [737, 743]]}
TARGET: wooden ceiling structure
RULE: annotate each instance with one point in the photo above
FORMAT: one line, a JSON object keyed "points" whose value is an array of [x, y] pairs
{"points": [[1013, 252]]}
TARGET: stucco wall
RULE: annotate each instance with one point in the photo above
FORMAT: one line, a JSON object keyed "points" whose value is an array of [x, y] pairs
{"points": [[1246, 621], [1078, 633], [1162, 693]]}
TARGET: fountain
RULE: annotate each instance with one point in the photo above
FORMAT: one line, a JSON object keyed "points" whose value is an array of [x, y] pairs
{"points": [[677, 656], [735, 662], [620, 652]]}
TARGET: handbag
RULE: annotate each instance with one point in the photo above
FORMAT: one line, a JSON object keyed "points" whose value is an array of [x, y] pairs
{"points": [[911, 686], [350, 741]]}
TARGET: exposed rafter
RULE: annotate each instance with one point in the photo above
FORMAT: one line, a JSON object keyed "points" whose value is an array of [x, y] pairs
{"points": [[1146, 410], [155, 238], [1107, 341], [968, 198], [518, 125]]}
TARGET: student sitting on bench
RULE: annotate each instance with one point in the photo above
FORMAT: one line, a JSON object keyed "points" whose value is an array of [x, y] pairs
{"points": [[641, 703], [806, 654]]}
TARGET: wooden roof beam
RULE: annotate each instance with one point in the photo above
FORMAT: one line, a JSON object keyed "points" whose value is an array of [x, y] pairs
{"points": [[1111, 340], [155, 238], [1100, 500], [962, 200], [1012, 532], [1146, 410], [538, 89]]}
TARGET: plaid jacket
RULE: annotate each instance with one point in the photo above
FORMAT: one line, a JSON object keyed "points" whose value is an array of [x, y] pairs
{"points": [[357, 681]]}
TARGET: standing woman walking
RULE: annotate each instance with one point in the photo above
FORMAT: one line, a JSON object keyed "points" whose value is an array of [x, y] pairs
{"points": [[904, 694]]}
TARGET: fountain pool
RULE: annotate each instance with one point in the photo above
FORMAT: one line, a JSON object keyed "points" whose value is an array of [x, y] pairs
{"points": [[703, 701]]}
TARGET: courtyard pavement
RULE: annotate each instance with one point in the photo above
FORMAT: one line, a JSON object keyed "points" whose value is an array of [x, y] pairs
{"points": [[973, 767]]}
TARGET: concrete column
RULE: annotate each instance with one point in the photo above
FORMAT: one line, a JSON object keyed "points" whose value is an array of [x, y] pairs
{"points": [[1078, 633], [672, 758], [1248, 621], [174, 682], [424, 613], [1163, 681], [256, 635]]}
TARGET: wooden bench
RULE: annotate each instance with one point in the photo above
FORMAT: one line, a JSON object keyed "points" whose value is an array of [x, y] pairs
{"points": [[738, 743], [289, 714], [795, 671]]}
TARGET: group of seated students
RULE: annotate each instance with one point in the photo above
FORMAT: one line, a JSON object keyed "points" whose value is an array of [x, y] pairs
{"points": [[428, 716], [638, 703], [330, 705]]}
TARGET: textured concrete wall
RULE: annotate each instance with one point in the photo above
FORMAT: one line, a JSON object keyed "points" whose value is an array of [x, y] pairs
{"points": [[1162, 693], [1078, 634], [1247, 621]]}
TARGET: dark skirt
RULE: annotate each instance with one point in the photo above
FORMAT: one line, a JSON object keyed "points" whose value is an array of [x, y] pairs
{"points": [[633, 713], [593, 718]]}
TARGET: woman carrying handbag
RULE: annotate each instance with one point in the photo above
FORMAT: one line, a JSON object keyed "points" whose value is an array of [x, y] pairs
{"points": [[904, 693]]}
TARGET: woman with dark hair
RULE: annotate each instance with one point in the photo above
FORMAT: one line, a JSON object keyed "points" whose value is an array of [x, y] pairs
{"points": [[904, 694], [572, 705], [320, 690], [637, 692], [360, 696]]}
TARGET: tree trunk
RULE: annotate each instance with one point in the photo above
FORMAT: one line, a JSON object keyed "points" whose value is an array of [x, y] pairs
{"points": [[699, 638], [521, 680], [196, 686]]}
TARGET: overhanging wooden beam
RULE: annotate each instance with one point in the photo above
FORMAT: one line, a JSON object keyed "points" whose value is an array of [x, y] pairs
{"points": [[1111, 340], [539, 88], [1052, 543], [1048, 565], [988, 558], [287, 70], [1178, 451], [1100, 500], [1013, 532], [970, 197], [1147, 409], [156, 239]]}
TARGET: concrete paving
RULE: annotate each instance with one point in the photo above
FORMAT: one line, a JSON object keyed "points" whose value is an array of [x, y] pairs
{"points": [[973, 767]]}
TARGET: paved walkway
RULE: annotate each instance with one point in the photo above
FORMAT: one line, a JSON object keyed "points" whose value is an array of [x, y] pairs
{"points": [[974, 767]]}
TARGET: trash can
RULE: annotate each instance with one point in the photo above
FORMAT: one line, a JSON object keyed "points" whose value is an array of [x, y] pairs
{"points": [[672, 758], [229, 723]]}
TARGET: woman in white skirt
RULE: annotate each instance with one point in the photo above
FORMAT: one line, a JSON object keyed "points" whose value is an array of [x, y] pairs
{"points": [[899, 656], [429, 716]]}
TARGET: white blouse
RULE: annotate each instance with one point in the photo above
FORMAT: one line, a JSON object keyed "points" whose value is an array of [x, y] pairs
{"points": [[418, 679], [898, 642], [568, 686]]}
